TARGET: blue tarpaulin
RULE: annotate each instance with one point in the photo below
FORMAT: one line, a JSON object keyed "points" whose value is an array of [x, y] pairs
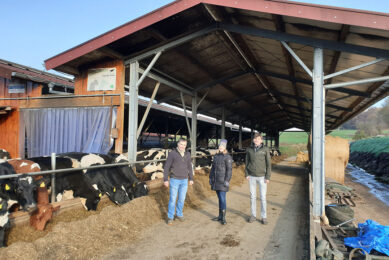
{"points": [[371, 236]]}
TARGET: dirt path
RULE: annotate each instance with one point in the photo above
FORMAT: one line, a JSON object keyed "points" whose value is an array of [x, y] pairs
{"points": [[285, 237], [368, 206]]}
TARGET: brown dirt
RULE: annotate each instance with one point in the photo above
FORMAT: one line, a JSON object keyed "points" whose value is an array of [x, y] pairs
{"points": [[285, 237], [85, 226], [367, 205], [137, 229]]}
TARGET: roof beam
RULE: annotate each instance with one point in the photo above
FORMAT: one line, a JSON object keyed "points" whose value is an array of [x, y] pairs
{"points": [[209, 84], [341, 38], [171, 44], [309, 82], [280, 26], [244, 51], [314, 42], [235, 100], [344, 117]]}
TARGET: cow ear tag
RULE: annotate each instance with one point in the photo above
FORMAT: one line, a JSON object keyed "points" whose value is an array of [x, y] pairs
{"points": [[42, 185], [7, 187], [1, 206], [100, 195], [114, 189]]}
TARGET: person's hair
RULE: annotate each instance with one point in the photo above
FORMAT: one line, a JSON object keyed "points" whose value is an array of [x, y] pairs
{"points": [[182, 140], [257, 135], [224, 152]]}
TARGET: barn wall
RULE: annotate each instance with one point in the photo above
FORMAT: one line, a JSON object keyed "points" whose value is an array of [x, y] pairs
{"points": [[9, 129], [80, 88], [12, 138]]}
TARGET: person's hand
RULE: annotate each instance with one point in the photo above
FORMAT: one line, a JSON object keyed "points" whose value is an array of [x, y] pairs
{"points": [[190, 182], [266, 181], [248, 177], [166, 183]]}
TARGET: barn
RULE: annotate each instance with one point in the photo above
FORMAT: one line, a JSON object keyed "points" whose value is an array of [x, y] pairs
{"points": [[267, 65]]}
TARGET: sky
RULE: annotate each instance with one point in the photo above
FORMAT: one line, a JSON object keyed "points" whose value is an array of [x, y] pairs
{"points": [[33, 31]]}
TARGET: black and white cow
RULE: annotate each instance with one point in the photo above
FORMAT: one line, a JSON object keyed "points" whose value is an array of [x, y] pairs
{"points": [[238, 156], [203, 158], [105, 180], [18, 190], [151, 154], [4, 221], [134, 187], [74, 181], [4, 155], [275, 152]]}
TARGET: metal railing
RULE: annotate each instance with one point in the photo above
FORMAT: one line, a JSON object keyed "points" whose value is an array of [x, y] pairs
{"points": [[90, 167]]}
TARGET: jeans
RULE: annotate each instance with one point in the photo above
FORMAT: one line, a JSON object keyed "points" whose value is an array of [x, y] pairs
{"points": [[253, 195], [222, 199], [177, 187]]}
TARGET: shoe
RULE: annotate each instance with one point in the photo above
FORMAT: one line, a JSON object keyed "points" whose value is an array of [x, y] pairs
{"points": [[219, 218], [169, 221], [223, 221], [251, 219], [264, 221], [182, 219]]}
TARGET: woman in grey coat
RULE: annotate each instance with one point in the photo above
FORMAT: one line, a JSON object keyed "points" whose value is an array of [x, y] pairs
{"points": [[220, 177]]}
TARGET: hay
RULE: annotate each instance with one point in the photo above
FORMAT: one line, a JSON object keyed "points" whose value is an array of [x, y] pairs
{"points": [[337, 154], [302, 157], [80, 234]]}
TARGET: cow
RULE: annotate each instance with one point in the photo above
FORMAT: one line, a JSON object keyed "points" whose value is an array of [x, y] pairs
{"points": [[150, 154], [274, 152], [18, 190], [134, 187], [74, 181], [44, 211], [238, 156], [4, 221], [203, 158], [4, 155], [106, 180], [28, 187]]}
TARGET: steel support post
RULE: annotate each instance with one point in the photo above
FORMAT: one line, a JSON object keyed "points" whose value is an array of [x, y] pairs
{"points": [[318, 137], [193, 141], [133, 111], [240, 137], [223, 131]]}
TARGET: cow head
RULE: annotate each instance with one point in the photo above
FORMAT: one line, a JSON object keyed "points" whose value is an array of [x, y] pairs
{"points": [[139, 189], [91, 202], [25, 189], [118, 195]]}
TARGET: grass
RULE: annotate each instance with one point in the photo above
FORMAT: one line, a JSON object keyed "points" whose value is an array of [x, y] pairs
{"points": [[293, 142], [346, 134], [293, 138]]}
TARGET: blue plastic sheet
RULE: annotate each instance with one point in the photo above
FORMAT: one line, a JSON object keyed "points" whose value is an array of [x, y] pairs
{"points": [[371, 236]]}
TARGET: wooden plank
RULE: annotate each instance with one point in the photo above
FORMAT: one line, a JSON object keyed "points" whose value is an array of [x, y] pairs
{"points": [[9, 124], [71, 102]]}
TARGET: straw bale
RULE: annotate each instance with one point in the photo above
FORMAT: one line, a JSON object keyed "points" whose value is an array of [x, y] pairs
{"points": [[337, 154]]}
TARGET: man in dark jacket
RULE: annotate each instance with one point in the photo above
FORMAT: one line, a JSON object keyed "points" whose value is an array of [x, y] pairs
{"points": [[179, 165], [220, 177], [258, 171]]}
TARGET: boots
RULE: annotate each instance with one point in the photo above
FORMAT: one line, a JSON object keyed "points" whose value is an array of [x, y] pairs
{"points": [[223, 221], [219, 218]]}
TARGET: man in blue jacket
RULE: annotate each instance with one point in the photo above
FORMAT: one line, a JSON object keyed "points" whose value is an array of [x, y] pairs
{"points": [[179, 166], [258, 171]]}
